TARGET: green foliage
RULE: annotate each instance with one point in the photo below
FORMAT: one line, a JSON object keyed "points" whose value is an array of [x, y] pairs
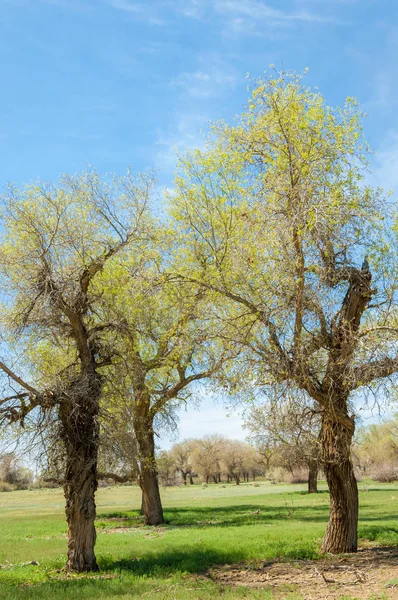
{"points": [[272, 215]]}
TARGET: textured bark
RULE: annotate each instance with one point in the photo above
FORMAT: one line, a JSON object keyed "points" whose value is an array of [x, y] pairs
{"points": [[338, 427], [148, 477], [80, 433], [152, 504], [341, 533], [312, 476]]}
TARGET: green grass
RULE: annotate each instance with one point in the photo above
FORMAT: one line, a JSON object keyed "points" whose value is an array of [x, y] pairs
{"points": [[205, 527]]}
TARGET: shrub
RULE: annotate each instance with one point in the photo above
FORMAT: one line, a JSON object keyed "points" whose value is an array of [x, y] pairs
{"points": [[6, 487], [385, 472]]}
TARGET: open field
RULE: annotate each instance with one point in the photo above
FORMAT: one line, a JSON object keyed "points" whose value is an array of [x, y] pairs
{"points": [[219, 541]]}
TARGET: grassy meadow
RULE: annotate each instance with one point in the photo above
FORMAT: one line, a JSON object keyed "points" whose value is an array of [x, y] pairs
{"points": [[206, 526]]}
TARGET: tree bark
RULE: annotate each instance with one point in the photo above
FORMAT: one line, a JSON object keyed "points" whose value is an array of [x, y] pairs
{"points": [[312, 476], [148, 477], [191, 481], [342, 529], [152, 504], [80, 434]]}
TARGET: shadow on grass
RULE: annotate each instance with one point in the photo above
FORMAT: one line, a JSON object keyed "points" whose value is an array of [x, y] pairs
{"points": [[187, 559], [184, 559], [243, 515], [225, 516]]}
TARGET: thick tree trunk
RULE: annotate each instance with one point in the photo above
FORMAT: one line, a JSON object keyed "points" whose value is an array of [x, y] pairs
{"points": [[152, 504], [191, 481], [148, 477], [80, 434], [341, 533], [312, 476]]}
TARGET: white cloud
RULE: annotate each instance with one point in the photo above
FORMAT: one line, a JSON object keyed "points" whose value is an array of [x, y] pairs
{"points": [[385, 164], [187, 132], [255, 11], [201, 84], [237, 15], [142, 11]]}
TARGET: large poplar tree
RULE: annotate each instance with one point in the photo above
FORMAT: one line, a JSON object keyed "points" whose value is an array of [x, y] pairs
{"points": [[276, 217]]}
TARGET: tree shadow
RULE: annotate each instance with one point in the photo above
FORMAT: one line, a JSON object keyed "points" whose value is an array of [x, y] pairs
{"points": [[185, 559], [225, 516]]}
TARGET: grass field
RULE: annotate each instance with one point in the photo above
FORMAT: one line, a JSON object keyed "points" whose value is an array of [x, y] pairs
{"points": [[206, 527]]}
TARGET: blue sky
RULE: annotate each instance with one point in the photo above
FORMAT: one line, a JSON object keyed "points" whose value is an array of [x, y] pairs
{"points": [[114, 83]]}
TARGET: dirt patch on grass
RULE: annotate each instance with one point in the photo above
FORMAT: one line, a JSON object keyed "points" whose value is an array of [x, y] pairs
{"points": [[371, 573]]}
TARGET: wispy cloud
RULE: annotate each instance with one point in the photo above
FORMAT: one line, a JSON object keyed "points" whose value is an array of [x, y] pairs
{"points": [[385, 164], [205, 84], [186, 132], [143, 11], [235, 14], [255, 16], [254, 9]]}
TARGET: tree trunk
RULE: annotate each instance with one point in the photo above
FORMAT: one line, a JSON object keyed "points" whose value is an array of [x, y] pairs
{"points": [[191, 481], [80, 434], [152, 504], [148, 477], [342, 530], [312, 476]]}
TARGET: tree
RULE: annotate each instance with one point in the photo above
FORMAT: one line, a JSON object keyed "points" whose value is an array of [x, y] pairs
{"points": [[276, 219], [12, 472], [232, 459], [291, 426], [181, 455], [58, 243], [206, 458], [377, 450], [167, 343]]}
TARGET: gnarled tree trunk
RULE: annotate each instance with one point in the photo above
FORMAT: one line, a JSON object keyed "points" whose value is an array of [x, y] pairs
{"points": [[341, 533], [80, 434]]}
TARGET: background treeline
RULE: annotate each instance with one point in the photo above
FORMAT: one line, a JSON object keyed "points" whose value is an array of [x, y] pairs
{"points": [[271, 455]]}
